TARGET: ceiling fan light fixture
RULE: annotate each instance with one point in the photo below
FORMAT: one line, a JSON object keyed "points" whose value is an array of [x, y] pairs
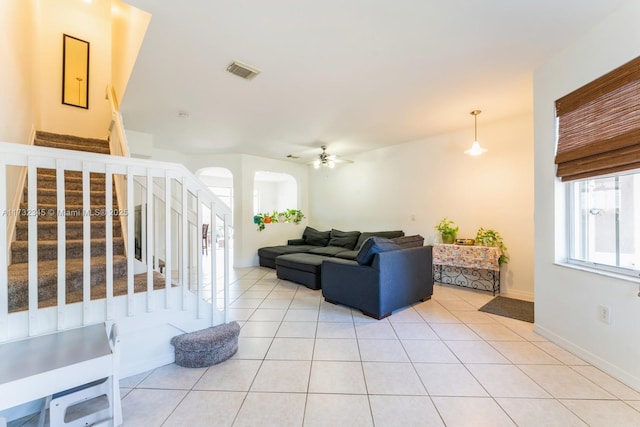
{"points": [[475, 149], [326, 160]]}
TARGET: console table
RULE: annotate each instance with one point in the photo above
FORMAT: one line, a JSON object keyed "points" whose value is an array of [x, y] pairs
{"points": [[476, 267]]}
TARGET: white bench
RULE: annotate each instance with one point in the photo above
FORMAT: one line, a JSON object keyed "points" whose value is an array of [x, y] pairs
{"points": [[42, 366]]}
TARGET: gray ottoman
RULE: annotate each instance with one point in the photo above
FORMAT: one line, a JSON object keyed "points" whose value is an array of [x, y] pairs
{"points": [[300, 268], [206, 347]]}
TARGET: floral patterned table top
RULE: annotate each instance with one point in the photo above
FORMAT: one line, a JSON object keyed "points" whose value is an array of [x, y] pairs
{"points": [[478, 257]]}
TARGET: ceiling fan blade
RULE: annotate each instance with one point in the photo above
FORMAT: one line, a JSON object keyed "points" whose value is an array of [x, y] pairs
{"points": [[341, 160]]}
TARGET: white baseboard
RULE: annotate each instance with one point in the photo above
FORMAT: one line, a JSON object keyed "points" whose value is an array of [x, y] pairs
{"points": [[613, 370], [526, 296]]}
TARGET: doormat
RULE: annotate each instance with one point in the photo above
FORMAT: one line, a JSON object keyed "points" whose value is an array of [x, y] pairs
{"points": [[509, 307]]}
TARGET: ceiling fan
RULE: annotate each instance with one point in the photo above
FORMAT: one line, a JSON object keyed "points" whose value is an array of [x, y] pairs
{"points": [[327, 160]]}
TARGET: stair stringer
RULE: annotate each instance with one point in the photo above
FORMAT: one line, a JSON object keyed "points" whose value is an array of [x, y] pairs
{"points": [[145, 338]]}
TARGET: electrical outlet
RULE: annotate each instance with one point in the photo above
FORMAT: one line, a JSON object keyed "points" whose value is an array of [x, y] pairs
{"points": [[604, 314]]}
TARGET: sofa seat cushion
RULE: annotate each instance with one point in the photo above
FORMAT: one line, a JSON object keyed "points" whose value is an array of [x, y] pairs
{"points": [[344, 239], [274, 251], [387, 234], [303, 261], [328, 250], [350, 255], [372, 246], [267, 256]]}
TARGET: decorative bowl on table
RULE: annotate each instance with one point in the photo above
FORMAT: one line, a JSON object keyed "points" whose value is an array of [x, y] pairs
{"points": [[465, 242]]}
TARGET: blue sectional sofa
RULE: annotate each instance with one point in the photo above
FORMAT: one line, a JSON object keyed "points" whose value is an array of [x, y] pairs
{"points": [[376, 272]]}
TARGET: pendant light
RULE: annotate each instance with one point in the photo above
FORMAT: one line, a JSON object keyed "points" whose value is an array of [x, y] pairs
{"points": [[475, 149]]}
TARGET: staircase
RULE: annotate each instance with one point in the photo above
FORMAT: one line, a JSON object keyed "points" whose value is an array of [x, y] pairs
{"points": [[48, 215]]}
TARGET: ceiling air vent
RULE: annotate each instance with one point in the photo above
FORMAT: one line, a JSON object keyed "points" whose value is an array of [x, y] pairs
{"points": [[242, 70]]}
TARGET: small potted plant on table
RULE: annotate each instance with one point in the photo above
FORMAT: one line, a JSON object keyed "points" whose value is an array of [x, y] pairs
{"points": [[489, 237], [448, 230]]}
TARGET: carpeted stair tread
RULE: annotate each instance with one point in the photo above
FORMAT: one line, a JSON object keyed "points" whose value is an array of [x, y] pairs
{"points": [[120, 287], [50, 136], [71, 142], [73, 214], [71, 179], [48, 277], [53, 191], [70, 175], [49, 268], [48, 249], [48, 230], [71, 209]]}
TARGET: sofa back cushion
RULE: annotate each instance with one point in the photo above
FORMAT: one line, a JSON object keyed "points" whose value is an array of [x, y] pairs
{"points": [[405, 242], [314, 237], [372, 246], [344, 239], [388, 234]]}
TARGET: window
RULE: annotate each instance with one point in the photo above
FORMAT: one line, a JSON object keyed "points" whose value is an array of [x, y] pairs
{"points": [[598, 156], [604, 223]]}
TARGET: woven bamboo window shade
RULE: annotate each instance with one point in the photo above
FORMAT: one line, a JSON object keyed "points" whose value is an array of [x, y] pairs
{"points": [[599, 126]]}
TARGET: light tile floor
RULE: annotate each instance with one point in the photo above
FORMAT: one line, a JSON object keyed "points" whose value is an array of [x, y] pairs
{"points": [[304, 362]]}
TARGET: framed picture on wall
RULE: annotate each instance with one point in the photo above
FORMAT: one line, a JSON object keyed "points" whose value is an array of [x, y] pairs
{"points": [[75, 71]]}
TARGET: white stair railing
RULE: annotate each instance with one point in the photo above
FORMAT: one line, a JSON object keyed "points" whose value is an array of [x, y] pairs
{"points": [[118, 147], [175, 204]]}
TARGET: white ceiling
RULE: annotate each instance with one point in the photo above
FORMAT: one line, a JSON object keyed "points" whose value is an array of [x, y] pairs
{"points": [[352, 74]]}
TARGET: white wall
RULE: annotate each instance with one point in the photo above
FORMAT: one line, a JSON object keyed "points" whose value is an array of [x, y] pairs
{"points": [[567, 299], [16, 101], [216, 181], [89, 22], [276, 195], [17, 106], [432, 178], [129, 26], [287, 195], [140, 144], [267, 196]]}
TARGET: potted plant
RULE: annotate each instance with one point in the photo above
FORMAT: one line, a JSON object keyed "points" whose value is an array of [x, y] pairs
{"points": [[286, 216], [491, 237], [294, 215], [448, 230], [258, 219]]}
